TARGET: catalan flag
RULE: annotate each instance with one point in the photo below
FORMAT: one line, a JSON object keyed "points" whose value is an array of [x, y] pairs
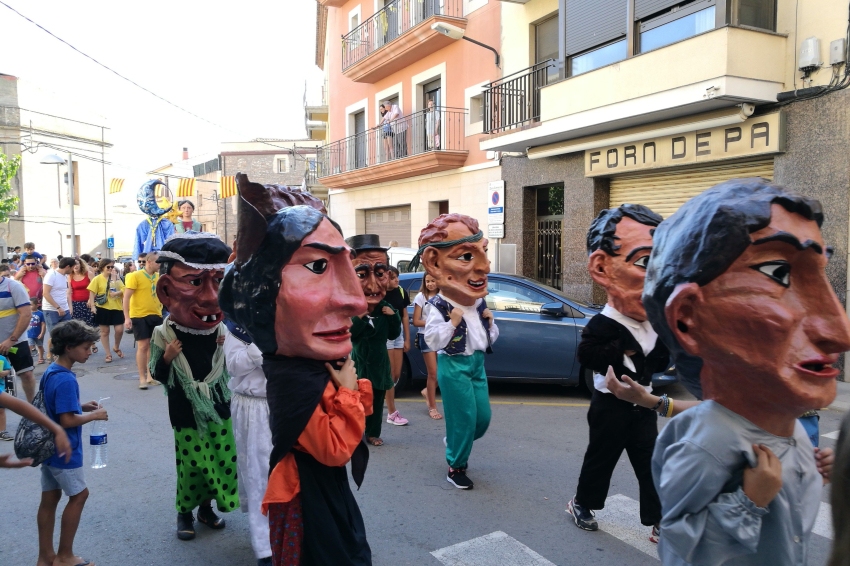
{"points": [[159, 191], [186, 188], [228, 187], [115, 186]]}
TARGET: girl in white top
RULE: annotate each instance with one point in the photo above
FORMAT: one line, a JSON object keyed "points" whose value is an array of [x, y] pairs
{"points": [[429, 289]]}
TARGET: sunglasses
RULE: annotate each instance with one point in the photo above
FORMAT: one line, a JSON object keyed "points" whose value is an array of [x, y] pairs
{"points": [[109, 267], [30, 264], [142, 262]]}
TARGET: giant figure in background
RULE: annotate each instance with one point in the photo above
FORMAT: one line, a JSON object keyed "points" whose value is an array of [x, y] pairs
{"points": [[294, 289], [736, 287], [153, 231]]}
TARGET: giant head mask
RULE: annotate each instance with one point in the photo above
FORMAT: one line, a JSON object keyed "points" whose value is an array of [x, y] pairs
{"points": [[618, 244], [292, 286], [191, 269], [370, 264], [453, 251], [737, 289]]}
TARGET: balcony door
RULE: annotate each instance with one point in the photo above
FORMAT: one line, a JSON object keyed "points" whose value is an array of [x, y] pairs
{"points": [[360, 139], [429, 124]]}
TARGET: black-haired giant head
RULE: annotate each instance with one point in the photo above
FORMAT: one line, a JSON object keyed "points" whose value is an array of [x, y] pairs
{"points": [[736, 287], [618, 245]]}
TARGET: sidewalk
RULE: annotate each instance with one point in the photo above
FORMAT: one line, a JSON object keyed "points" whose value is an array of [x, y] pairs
{"points": [[842, 399]]}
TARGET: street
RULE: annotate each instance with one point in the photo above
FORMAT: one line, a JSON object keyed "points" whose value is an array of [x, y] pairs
{"points": [[525, 470]]}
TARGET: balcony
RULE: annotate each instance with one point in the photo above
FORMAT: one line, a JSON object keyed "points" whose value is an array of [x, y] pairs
{"points": [[332, 3], [514, 101], [428, 141], [397, 36], [717, 69]]}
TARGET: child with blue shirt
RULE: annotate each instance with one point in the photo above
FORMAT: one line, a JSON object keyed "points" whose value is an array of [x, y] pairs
{"points": [[35, 332], [71, 342]]}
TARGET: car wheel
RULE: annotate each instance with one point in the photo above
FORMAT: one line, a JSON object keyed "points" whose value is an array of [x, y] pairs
{"points": [[404, 380], [587, 380]]}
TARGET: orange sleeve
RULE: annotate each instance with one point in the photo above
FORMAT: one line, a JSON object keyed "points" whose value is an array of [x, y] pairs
{"points": [[336, 427]]}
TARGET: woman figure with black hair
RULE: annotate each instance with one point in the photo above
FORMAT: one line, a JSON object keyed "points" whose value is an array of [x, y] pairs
{"points": [[185, 222]]}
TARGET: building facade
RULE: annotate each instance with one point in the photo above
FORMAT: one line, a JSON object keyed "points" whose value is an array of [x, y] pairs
{"points": [[33, 126], [392, 176], [652, 101]]}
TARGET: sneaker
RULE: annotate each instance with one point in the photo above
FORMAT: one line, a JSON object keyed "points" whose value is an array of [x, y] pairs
{"points": [[6, 436], [396, 419], [584, 518], [458, 479], [656, 534]]}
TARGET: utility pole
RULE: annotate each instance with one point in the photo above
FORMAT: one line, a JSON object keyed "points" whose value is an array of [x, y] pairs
{"points": [[71, 199]]}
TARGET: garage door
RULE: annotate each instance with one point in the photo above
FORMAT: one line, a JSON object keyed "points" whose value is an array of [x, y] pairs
{"points": [[665, 192], [391, 224]]}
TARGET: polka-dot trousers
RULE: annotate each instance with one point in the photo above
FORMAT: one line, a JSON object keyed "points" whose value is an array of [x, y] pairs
{"points": [[286, 531], [206, 467]]}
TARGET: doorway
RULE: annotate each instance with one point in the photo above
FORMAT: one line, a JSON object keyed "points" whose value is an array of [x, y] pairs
{"points": [[360, 139], [432, 114], [550, 224]]}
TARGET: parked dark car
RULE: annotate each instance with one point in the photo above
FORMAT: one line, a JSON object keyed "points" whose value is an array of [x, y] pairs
{"points": [[539, 331]]}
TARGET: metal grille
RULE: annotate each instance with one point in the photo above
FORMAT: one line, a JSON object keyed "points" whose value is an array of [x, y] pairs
{"points": [[549, 250], [208, 167], [437, 129], [393, 20], [515, 100]]}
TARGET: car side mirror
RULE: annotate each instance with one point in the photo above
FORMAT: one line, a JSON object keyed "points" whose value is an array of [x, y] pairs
{"points": [[553, 309]]}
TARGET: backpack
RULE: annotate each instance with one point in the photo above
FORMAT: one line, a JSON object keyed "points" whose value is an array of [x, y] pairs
{"points": [[33, 440]]}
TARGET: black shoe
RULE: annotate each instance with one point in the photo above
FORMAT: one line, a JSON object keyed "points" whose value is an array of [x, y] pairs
{"points": [[185, 526], [264, 561], [583, 517], [458, 479], [209, 518]]}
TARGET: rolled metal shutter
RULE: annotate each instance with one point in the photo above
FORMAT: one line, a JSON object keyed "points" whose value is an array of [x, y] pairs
{"points": [[664, 192], [593, 22], [390, 224]]}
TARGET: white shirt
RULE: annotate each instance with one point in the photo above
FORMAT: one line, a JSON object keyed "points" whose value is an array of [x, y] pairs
{"points": [[438, 331], [643, 333], [58, 290], [245, 365]]}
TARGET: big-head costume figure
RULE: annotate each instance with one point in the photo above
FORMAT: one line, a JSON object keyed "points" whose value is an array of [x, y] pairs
{"points": [[187, 357], [737, 288], [153, 231], [294, 289], [460, 328], [371, 330], [618, 244]]}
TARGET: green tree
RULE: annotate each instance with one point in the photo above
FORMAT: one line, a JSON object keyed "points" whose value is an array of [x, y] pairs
{"points": [[8, 170]]}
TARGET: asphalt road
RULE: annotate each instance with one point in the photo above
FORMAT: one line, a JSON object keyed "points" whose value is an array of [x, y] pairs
{"points": [[525, 470]]}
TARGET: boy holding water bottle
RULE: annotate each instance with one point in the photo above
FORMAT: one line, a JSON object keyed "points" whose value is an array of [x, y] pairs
{"points": [[71, 342]]}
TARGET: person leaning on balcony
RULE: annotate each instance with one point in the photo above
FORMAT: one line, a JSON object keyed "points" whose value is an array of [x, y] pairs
{"points": [[399, 128], [432, 126], [386, 130]]}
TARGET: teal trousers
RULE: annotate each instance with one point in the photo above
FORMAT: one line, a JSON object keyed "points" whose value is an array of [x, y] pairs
{"points": [[466, 404], [376, 419]]}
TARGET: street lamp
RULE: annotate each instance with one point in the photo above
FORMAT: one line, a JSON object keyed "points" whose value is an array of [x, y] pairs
{"points": [[54, 159], [454, 32]]}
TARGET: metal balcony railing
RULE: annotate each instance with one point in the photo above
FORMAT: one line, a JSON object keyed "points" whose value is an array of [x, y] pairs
{"points": [[515, 100], [436, 129], [392, 21]]}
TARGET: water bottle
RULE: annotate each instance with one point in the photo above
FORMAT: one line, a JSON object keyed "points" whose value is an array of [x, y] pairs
{"points": [[97, 440]]}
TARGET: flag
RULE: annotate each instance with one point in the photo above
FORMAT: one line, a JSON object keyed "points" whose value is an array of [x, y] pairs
{"points": [[186, 188], [115, 185], [228, 187], [158, 191]]}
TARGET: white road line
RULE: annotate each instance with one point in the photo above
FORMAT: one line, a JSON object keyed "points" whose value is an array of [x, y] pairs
{"points": [[823, 524], [833, 435], [621, 518], [489, 550]]}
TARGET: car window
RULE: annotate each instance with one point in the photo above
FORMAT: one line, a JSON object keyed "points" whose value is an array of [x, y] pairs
{"points": [[510, 297], [403, 263]]}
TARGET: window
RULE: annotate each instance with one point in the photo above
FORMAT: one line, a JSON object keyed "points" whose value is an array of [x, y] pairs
{"points": [[373, 217], [476, 109], [510, 297], [385, 217], [546, 44], [282, 164], [598, 57], [680, 23], [757, 14]]}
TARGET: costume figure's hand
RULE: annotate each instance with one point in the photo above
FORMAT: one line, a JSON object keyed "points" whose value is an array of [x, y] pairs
{"points": [[388, 311], [488, 314], [346, 376], [824, 459], [762, 483], [220, 340], [455, 317], [172, 350]]}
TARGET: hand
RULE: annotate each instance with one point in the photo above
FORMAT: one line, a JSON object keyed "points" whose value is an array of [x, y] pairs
{"points": [[5, 345], [762, 483], [346, 376], [100, 415], [63, 445], [172, 350], [824, 459], [406, 345], [90, 406], [455, 317], [91, 305], [220, 340], [6, 461], [388, 311], [629, 353], [61, 312], [488, 314], [629, 390], [128, 323]]}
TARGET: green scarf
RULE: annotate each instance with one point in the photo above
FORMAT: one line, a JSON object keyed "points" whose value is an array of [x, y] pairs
{"points": [[202, 395]]}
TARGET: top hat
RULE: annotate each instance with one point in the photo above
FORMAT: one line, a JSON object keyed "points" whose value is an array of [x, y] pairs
{"points": [[365, 242], [200, 250]]}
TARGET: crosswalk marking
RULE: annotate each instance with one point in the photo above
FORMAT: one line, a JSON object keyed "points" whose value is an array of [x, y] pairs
{"points": [[823, 524], [833, 435], [488, 550], [621, 518]]}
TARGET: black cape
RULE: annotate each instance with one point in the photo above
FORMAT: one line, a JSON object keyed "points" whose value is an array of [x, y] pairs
{"points": [[334, 532]]}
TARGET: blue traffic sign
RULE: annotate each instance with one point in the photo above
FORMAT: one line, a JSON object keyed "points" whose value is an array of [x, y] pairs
{"points": [[110, 243]]}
